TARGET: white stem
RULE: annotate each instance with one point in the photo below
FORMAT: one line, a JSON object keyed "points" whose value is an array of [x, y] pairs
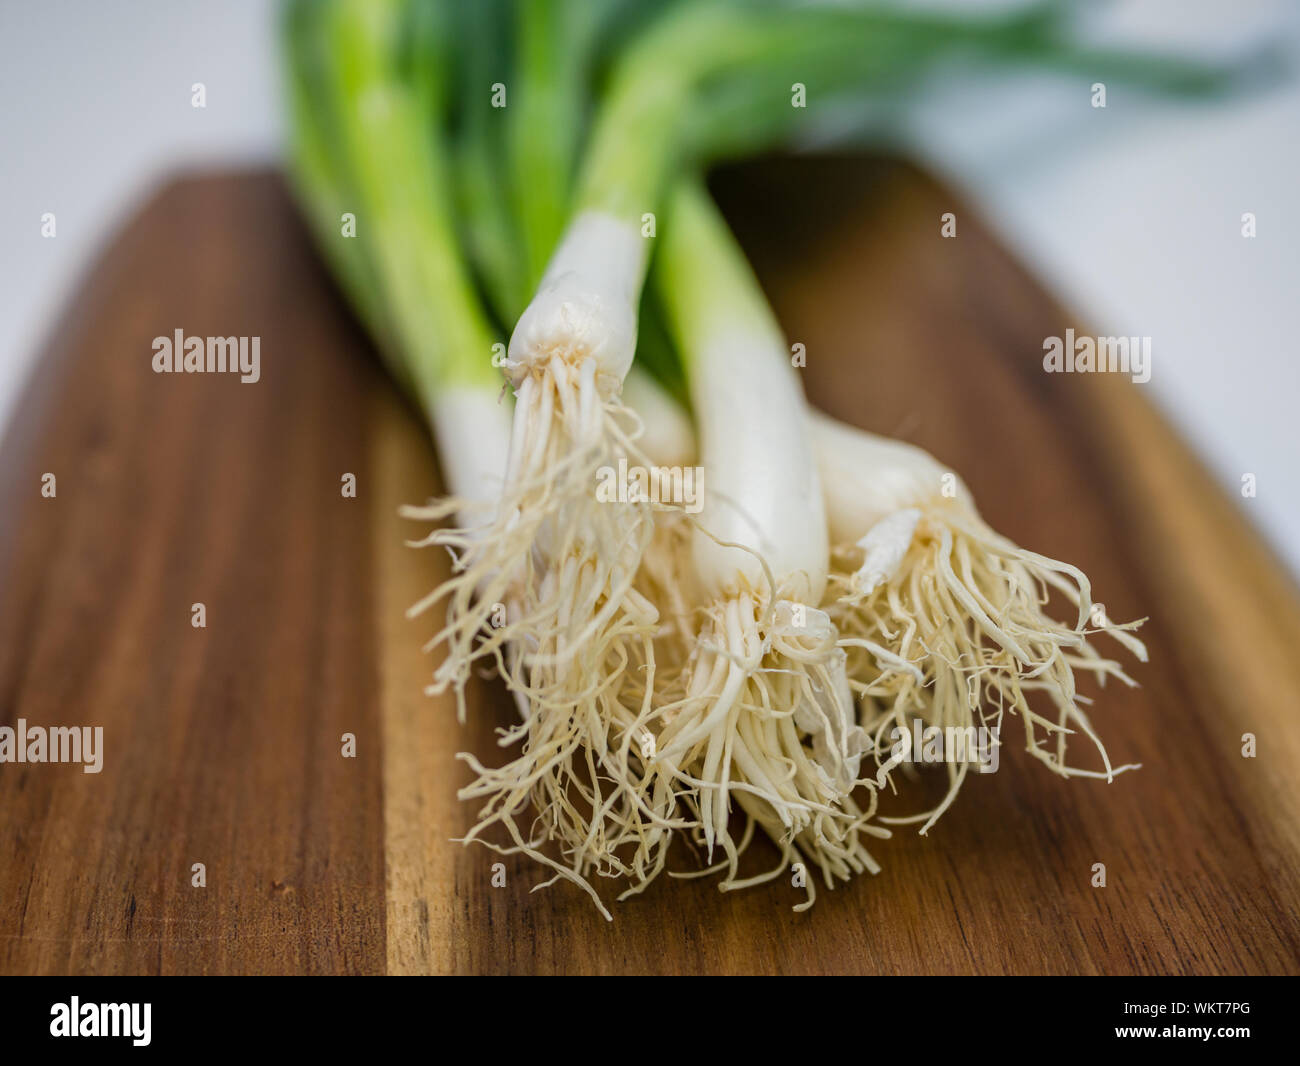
{"points": [[472, 429], [868, 478], [668, 438], [586, 304], [764, 489]]}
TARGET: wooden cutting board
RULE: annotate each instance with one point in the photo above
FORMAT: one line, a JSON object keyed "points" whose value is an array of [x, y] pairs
{"points": [[222, 745]]}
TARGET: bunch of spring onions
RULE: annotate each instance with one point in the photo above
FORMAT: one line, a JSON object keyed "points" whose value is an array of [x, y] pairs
{"points": [[492, 184]]}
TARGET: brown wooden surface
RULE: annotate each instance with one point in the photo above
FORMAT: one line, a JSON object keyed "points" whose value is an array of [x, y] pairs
{"points": [[222, 744]]}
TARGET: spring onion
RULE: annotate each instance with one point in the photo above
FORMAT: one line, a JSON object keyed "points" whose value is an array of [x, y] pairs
{"points": [[675, 674]]}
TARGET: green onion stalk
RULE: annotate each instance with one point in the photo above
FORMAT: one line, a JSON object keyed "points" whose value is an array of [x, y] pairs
{"points": [[378, 193], [514, 165]]}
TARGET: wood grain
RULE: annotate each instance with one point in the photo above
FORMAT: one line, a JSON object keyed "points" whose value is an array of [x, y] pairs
{"points": [[223, 744]]}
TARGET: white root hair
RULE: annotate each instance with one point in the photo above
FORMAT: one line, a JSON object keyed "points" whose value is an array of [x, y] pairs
{"points": [[945, 620]]}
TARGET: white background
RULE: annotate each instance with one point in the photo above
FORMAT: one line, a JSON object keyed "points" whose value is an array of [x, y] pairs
{"points": [[1131, 214]]}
